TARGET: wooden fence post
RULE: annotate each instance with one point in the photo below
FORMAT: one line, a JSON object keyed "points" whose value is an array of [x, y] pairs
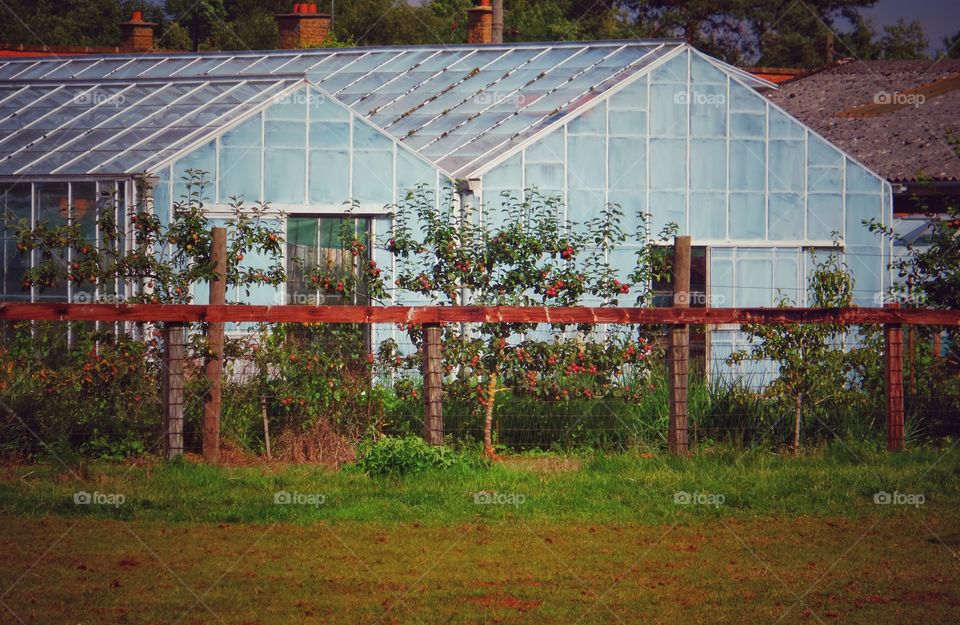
{"points": [[432, 385], [678, 351], [174, 339], [214, 364], [893, 358]]}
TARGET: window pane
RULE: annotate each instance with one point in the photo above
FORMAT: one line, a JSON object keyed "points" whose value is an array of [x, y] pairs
{"points": [[15, 204], [284, 172], [329, 176]]}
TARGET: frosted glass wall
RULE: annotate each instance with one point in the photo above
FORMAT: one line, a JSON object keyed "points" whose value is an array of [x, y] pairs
{"points": [[692, 146], [305, 153]]}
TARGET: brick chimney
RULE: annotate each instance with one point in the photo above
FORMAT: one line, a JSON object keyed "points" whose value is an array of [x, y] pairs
{"points": [[137, 34], [304, 28], [480, 23]]}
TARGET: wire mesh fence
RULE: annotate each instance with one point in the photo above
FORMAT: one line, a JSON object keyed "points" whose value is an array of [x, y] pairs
{"points": [[307, 392]]}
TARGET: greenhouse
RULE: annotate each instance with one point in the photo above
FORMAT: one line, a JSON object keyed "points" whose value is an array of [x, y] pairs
{"points": [[654, 126]]}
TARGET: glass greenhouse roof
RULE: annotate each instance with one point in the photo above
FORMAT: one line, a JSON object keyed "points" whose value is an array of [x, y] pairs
{"points": [[457, 106]]}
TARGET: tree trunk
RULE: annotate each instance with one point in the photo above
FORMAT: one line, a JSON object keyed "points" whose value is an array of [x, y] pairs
{"points": [[796, 423], [488, 415]]}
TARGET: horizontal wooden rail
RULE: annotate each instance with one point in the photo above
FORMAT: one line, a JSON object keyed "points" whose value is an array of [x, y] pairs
{"points": [[456, 314]]}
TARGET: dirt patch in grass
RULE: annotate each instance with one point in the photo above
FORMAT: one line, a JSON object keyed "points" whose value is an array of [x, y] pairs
{"points": [[879, 570], [541, 464]]}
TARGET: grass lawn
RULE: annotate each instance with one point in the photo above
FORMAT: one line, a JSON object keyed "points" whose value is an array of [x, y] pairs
{"points": [[608, 539]]}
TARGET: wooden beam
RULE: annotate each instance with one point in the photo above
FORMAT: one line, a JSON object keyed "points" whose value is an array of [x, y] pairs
{"points": [[469, 314], [432, 385], [214, 364], [678, 351], [893, 374], [172, 383]]}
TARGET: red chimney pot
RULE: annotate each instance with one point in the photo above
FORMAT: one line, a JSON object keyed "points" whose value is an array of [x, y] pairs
{"points": [[137, 16], [313, 7]]}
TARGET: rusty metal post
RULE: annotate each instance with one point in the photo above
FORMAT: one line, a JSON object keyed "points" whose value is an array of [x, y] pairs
{"points": [[893, 357], [172, 382], [678, 352], [432, 385], [214, 364]]}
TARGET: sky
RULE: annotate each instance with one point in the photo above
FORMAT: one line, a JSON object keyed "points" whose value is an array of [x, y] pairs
{"points": [[939, 18]]}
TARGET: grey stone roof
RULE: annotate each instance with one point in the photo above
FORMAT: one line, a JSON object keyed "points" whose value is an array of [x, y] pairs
{"points": [[901, 145]]}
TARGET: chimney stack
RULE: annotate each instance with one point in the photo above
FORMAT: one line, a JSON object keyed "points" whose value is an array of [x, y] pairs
{"points": [[137, 34], [480, 23], [303, 28]]}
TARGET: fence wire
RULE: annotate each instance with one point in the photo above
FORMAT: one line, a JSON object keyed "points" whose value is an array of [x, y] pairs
{"points": [[310, 392]]}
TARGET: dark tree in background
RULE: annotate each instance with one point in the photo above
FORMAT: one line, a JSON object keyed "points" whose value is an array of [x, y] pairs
{"points": [[745, 32]]}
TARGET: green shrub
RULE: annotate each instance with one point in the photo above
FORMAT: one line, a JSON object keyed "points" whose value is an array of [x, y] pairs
{"points": [[398, 455]]}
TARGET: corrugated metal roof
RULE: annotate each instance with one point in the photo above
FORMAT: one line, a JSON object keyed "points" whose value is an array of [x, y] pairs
{"points": [[457, 106]]}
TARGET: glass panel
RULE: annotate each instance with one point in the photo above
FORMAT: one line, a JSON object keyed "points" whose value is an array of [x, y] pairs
{"points": [[290, 107], [506, 175], [411, 172], [866, 265], [372, 176], [824, 216], [53, 209], [668, 110], [633, 204], [628, 123], [628, 164], [545, 177], [586, 162], [330, 134], [285, 175], [786, 277], [708, 215], [721, 278], [668, 164], [786, 166], [785, 216], [15, 205], [702, 71], [240, 156], [323, 108], [245, 135], [819, 152], [744, 125], [747, 216], [783, 127], [754, 279], [369, 138], [708, 164], [860, 208], [708, 111], [546, 150], [289, 134], [674, 70], [825, 179], [583, 206], [744, 99], [666, 208], [161, 196], [329, 177], [859, 180], [747, 165], [591, 122], [631, 97]]}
